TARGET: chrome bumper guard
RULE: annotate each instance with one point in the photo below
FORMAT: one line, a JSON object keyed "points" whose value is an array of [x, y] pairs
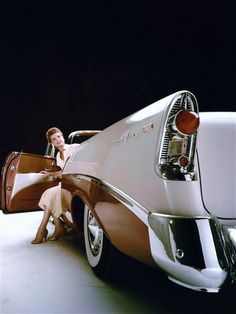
{"points": [[195, 252], [232, 233]]}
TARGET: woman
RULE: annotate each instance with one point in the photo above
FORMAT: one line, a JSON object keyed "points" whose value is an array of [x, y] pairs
{"points": [[50, 200]]}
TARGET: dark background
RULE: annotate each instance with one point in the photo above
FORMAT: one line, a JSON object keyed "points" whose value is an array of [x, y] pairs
{"points": [[77, 65]]}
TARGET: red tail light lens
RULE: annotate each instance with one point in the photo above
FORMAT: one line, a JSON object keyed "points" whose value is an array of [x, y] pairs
{"points": [[187, 122], [183, 161]]}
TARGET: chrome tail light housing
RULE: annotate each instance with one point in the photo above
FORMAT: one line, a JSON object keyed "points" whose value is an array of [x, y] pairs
{"points": [[175, 158]]}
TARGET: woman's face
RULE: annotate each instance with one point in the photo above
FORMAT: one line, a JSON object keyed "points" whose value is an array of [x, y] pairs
{"points": [[58, 140]]}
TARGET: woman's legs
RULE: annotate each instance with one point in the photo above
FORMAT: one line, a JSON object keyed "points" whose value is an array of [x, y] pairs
{"points": [[59, 229], [42, 232]]}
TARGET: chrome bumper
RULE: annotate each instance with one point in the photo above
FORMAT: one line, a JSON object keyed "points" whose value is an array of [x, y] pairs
{"points": [[195, 252], [232, 233]]}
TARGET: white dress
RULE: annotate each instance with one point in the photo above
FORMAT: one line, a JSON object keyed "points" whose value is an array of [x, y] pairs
{"points": [[51, 198]]}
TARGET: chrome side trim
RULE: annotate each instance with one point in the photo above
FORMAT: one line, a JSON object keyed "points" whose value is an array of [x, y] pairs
{"points": [[123, 198], [195, 252]]}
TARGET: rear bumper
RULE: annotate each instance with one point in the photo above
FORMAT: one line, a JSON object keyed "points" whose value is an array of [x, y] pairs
{"points": [[195, 252]]}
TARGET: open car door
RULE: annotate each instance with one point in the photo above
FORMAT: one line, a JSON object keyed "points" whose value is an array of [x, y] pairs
{"points": [[22, 184]]}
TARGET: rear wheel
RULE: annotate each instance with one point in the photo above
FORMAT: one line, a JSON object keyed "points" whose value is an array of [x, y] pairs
{"points": [[100, 252]]}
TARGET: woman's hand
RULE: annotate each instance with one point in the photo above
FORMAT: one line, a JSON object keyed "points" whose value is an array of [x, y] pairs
{"points": [[44, 172], [47, 172]]}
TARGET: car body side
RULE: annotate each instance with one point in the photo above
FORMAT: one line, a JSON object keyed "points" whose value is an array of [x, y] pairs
{"points": [[172, 224]]}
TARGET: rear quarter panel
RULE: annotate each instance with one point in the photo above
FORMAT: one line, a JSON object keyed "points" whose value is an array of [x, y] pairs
{"points": [[217, 159], [124, 157]]}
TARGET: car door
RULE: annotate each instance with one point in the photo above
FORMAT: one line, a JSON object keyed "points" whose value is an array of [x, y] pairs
{"points": [[22, 184]]}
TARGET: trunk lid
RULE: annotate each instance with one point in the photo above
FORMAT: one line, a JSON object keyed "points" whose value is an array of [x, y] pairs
{"points": [[216, 147]]}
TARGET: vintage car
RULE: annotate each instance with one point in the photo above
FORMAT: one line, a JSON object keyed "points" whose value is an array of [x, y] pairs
{"points": [[158, 186]]}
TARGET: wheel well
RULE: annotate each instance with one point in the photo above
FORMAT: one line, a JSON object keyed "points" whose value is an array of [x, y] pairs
{"points": [[77, 212]]}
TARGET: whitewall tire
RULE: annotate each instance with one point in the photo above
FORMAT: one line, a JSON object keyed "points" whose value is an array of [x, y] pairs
{"points": [[100, 252]]}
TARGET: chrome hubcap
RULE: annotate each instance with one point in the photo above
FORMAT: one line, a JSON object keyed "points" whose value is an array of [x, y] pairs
{"points": [[95, 234]]}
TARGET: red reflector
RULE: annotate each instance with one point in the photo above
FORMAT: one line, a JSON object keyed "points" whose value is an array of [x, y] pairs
{"points": [[187, 122], [183, 161]]}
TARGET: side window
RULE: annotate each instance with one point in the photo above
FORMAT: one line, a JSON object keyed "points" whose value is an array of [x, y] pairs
{"points": [[50, 150], [79, 137]]}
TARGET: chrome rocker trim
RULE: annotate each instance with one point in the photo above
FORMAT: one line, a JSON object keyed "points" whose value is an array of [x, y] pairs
{"points": [[195, 252]]}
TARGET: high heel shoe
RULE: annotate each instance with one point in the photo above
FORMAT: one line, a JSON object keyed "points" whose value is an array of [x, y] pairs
{"points": [[40, 237], [57, 234]]}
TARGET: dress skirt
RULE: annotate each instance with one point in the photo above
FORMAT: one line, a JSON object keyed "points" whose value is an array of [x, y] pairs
{"points": [[51, 199], [56, 199]]}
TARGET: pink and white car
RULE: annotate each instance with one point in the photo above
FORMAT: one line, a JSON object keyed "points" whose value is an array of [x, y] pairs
{"points": [[159, 186]]}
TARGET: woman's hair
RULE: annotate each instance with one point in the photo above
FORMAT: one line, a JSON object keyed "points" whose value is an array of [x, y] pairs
{"points": [[50, 132]]}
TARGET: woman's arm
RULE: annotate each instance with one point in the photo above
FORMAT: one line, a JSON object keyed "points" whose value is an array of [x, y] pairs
{"points": [[56, 171]]}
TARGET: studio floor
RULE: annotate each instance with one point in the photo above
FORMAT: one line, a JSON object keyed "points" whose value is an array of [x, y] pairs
{"points": [[54, 277]]}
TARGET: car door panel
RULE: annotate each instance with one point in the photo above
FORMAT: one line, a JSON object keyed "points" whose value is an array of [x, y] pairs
{"points": [[23, 183]]}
